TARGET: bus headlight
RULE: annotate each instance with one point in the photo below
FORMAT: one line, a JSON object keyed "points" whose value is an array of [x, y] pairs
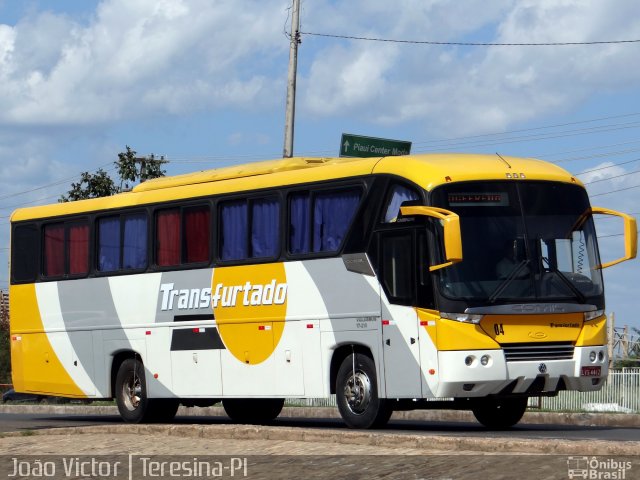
{"points": [[592, 356], [592, 315], [463, 317]]}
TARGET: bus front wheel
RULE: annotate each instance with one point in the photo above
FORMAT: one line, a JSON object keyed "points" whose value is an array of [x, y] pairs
{"points": [[357, 393], [499, 413], [131, 396]]}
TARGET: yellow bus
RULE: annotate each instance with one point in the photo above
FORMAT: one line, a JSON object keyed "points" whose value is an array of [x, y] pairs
{"points": [[425, 281]]}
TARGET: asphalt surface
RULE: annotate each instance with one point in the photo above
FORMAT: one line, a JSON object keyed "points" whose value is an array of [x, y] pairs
{"points": [[10, 422]]}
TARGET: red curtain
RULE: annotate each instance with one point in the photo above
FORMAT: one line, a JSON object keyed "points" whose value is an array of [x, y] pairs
{"points": [[54, 250], [196, 234], [168, 237], [78, 249]]}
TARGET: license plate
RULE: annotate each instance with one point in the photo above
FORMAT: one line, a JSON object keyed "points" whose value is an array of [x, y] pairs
{"points": [[591, 371]]}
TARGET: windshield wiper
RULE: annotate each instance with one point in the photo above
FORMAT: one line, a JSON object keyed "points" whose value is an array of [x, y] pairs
{"points": [[507, 281], [577, 293]]}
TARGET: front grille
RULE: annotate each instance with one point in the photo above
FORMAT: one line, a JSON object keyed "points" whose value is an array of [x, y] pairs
{"points": [[525, 352]]}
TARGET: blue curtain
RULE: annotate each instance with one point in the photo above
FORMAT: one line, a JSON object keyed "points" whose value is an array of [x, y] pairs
{"points": [[332, 215], [135, 241], [265, 228], [109, 244], [399, 194], [299, 240], [234, 230]]}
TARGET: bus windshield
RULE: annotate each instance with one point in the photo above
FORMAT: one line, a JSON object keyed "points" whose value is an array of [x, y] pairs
{"points": [[521, 241]]}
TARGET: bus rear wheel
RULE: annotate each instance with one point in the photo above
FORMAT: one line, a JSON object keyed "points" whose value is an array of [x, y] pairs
{"points": [[253, 410], [357, 394], [131, 396], [499, 413]]}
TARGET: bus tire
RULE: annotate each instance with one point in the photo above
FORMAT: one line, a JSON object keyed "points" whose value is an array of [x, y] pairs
{"points": [[131, 392], [357, 396], [499, 413], [253, 410]]}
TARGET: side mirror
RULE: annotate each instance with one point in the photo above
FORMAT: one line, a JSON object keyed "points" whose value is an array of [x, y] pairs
{"points": [[630, 235], [452, 236]]}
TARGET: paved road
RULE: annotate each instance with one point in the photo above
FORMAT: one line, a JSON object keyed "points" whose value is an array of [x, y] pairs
{"points": [[18, 422]]}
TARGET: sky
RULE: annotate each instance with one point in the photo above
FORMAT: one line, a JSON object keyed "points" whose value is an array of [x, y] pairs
{"points": [[203, 82]]}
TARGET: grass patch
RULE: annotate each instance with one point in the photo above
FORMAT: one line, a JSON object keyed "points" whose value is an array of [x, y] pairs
{"points": [[27, 433]]}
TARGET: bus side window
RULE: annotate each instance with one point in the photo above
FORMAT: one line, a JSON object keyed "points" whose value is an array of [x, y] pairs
{"points": [[65, 249], [25, 242], [53, 250], [320, 222], [250, 229], [397, 195], [127, 251], [397, 266], [182, 236]]}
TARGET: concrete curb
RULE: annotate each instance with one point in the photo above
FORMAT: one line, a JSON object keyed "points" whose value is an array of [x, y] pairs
{"points": [[534, 418], [370, 438]]}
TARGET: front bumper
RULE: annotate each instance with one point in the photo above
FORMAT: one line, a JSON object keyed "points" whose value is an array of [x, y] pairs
{"points": [[463, 375]]}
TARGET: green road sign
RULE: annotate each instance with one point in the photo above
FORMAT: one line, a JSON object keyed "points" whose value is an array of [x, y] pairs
{"points": [[359, 146]]}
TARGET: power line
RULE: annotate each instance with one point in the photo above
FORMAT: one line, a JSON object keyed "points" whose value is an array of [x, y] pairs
{"points": [[468, 44], [56, 183], [609, 178], [531, 129], [542, 136], [609, 166], [614, 191]]}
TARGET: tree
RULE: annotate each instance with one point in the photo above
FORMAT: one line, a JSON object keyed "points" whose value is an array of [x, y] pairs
{"points": [[130, 169], [90, 185]]}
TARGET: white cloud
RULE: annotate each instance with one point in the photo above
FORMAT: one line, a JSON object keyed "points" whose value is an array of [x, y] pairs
{"points": [[136, 57], [478, 89]]}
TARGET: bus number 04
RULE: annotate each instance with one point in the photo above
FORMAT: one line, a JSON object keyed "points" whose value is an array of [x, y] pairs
{"points": [[498, 328]]}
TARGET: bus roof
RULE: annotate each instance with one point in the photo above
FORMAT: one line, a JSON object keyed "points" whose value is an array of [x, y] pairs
{"points": [[426, 170]]}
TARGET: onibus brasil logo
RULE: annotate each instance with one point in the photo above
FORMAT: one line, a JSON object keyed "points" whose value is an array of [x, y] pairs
{"points": [[597, 468]]}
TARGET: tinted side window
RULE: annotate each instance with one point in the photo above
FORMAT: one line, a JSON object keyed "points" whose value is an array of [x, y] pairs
{"points": [[122, 242], [168, 237], [53, 250], [24, 253], [109, 244], [182, 236], [319, 222], [135, 241], [250, 229], [397, 195], [196, 233], [397, 267], [65, 249], [234, 230], [77, 249]]}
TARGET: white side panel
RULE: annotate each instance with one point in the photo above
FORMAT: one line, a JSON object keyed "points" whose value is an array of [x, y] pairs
{"points": [[402, 353], [305, 309], [196, 373]]}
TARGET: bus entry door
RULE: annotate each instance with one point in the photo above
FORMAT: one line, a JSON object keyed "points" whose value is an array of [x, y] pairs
{"points": [[400, 326]]}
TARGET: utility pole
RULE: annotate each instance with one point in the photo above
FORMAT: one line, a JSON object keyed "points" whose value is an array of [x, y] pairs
{"points": [[290, 112], [143, 164], [612, 334]]}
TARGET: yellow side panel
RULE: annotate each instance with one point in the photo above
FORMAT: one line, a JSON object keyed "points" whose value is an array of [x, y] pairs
{"points": [[593, 333], [32, 354], [452, 335]]}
